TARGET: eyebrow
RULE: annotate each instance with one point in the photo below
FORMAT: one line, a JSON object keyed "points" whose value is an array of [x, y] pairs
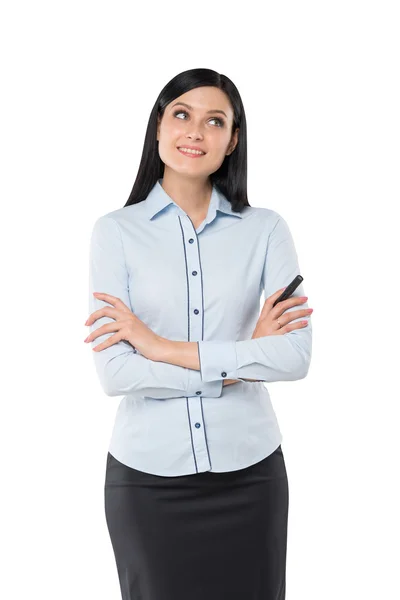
{"points": [[191, 108]]}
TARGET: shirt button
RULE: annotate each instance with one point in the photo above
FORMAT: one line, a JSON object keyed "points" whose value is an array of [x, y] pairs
{"points": [[223, 374], [191, 241], [198, 393], [194, 272], [196, 312], [197, 425]]}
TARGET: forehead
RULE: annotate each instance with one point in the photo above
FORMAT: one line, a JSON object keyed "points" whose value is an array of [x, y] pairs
{"points": [[205, 98]]}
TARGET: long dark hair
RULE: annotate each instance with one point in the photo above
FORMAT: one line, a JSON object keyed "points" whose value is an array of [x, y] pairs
{"points": [[231, 177]]}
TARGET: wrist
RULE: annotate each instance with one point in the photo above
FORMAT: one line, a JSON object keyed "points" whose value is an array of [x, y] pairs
{"points": [[163, 349], [230, 381]]}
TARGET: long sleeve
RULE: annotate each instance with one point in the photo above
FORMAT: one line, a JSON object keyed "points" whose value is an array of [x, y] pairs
{"points": [[120, 368], [271, 358]]}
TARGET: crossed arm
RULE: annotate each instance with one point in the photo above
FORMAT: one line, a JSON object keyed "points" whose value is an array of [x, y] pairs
{"points": [[185, 368], [187, 354]]}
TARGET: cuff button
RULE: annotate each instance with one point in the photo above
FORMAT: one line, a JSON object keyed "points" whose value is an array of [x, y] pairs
{"points": [[223, 374]]}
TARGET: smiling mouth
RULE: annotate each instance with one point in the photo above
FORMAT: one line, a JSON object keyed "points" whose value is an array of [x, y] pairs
{"points": [[190, 152]]}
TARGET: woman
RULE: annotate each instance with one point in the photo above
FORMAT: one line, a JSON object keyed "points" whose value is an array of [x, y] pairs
{"points": [[196, 490]]}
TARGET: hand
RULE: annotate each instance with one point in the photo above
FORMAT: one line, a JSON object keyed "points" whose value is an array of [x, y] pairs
{"points": [[267, 323], [127, 327]]}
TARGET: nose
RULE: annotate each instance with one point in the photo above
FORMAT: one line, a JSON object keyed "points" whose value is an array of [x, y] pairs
{"points": [[194, 130], [195, 135]]}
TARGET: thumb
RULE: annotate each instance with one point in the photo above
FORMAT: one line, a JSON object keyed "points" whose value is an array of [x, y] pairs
{"points": [[276, 295], [270, 300]]}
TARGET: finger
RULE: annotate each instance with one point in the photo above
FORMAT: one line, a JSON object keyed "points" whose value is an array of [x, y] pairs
{"points": [[114, 300], [269, 302], [297, 325], [292, 301], [292, 326], [106, 311], [284, 308], [114, 339], [107, 328], [276, 294], [292, 315]]}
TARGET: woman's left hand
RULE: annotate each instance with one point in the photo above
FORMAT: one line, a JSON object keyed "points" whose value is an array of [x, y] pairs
{"points": [[127, 327]]}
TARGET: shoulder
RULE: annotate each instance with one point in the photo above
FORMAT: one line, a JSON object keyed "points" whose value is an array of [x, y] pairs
{"points": [[272, 225], [124, 214], [120, 219], [268, 217]]}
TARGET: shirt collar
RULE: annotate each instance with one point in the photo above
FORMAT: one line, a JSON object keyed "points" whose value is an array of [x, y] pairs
{"points": [[158, 199]]}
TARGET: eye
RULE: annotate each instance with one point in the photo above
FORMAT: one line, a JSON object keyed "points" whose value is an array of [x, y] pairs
{"points": [[220, 121], [183, 112], [179, 112]]}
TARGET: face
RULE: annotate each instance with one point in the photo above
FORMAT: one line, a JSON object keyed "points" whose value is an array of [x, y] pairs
{"points": [[203, 120]]}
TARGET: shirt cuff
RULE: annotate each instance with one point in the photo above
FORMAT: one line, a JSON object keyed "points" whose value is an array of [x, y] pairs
{"points": [[217, 360], [198, 387]]}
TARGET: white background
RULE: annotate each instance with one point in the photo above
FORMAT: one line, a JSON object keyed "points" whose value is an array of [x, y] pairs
{"points": [[320, 86]]}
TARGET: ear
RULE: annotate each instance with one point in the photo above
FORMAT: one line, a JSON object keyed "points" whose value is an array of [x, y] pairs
{"points": [[234, 142]]}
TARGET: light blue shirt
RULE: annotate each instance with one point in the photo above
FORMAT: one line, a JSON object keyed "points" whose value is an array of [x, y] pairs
{"points": [[201, 285]]}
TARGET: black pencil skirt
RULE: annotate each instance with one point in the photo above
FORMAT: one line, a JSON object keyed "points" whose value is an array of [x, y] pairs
{"points": [[206, 536]]}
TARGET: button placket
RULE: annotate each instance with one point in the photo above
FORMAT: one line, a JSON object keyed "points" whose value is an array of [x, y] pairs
{"points": [[195, 313]]}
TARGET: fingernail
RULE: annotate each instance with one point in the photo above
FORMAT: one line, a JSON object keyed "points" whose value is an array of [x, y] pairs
{"points": [[85, 339]]}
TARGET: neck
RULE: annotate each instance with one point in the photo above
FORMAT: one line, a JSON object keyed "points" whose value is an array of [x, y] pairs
{"points": [[192, 195]]}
